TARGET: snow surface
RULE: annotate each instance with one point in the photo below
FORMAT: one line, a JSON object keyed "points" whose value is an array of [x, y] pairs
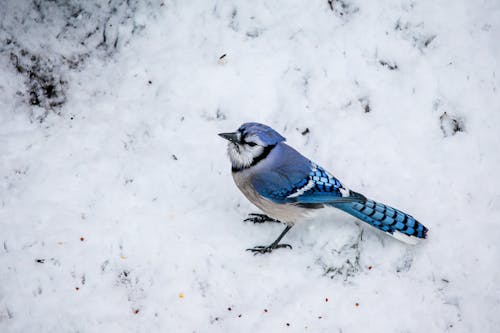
{"points": [[117, 209]]}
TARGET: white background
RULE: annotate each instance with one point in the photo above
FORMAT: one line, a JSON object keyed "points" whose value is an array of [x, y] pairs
{"points": [[129, 238]]}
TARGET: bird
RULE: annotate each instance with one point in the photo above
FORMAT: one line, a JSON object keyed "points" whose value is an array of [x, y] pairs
{"points": [[288, 187]]}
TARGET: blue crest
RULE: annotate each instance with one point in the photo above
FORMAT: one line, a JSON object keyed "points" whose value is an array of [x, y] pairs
{"points": [[266, 134]]}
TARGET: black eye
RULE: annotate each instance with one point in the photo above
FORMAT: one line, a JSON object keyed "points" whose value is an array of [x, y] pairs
{"points": [[251, 144]]}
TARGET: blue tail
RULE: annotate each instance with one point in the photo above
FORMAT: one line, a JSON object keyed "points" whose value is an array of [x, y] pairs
{"points": [[384, 218]]}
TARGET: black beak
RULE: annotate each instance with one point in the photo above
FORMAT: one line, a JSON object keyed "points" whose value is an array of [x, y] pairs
{"points": [[233, 137]]}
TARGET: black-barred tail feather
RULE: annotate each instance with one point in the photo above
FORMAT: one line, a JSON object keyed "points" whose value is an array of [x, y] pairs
{"points": [[400, 225]]}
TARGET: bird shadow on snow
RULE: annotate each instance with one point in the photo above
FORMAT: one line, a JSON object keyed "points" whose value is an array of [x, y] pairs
{"points": [[342, 248]]}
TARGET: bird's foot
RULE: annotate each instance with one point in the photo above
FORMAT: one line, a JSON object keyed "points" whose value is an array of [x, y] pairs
{"points": [[268, 249], [259, 218]]}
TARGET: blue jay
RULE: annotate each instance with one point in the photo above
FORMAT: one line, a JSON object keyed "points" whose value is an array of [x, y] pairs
{"points": [[288, 187]]}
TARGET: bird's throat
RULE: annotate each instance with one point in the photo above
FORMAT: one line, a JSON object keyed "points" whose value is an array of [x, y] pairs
{"points": [[265, 152]]}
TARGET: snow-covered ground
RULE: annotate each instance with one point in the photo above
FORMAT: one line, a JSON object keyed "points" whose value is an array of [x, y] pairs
{"points": [[117, 208]]}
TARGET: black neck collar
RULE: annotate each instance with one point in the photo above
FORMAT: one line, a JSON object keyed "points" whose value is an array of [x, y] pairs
{"points": [[256, 159]]}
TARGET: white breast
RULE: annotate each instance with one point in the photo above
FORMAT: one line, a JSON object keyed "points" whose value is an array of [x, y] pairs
{"points": [[286, 213]]}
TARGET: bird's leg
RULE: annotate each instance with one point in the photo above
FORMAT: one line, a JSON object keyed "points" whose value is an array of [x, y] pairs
{"points": [[274, 245], [259, 218]]}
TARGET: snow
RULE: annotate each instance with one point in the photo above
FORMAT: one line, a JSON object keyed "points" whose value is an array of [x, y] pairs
{"points": [[117, 208]]}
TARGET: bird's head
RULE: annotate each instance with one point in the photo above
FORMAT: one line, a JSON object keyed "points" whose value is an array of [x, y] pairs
{"points": [[251, 143]]}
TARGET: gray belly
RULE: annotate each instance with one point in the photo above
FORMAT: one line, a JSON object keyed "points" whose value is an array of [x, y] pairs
{"points": [[286, 213]]}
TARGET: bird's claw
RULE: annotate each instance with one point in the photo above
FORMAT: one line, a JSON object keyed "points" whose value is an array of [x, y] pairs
{"points": [[259, 218], [268, 249]]}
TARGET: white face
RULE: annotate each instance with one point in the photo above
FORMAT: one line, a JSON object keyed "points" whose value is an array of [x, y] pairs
{"points": [[242, 154]]}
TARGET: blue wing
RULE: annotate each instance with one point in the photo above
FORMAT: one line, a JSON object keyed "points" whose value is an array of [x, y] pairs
{"points": [[290, 178], [311, 187]]}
